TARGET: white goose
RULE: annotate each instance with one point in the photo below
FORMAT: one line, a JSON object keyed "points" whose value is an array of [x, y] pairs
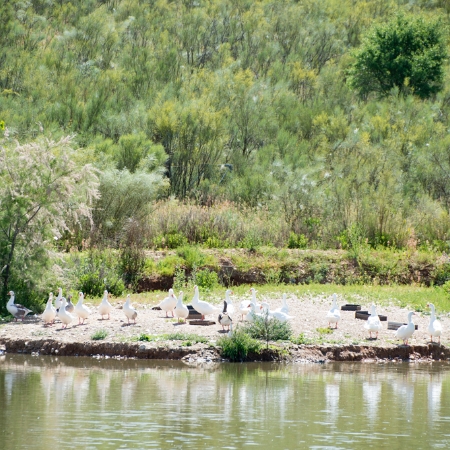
{"points": [[257, 305], [253, 313], [81, 310], [129, 311], [230, 306], [224, 319], [406, 331], [281, 316], [49, 314], [181, 310], [169, 303], [65, 317], [284, 307], [58, 299], [334, 315], [244, 308], [373, 324], [18, 311], [105, 307], [204, 308], [434, 327]]}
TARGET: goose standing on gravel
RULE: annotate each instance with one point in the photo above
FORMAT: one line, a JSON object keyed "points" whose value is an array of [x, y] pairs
{"points": [[17, 310], [224, 319], [245, 308], [230, 306], [49, 314], [65, 317], [58, 299], [82, 311], [69, 306], [181, 310], [204, 308], [279, 315], [406, 331], [129, 311], [373, 324], [257, 305], [169, 303], [105, 307], [334, 315], [253, 313], [434, 327], [284, 306]]}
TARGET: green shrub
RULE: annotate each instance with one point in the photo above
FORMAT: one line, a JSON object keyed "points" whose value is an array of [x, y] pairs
{"points": [[269, 329], [168, 265], [206, 279], [301, 339], [297, 240], [97, 271], [99, 335], [238, 346], [191, 255]]}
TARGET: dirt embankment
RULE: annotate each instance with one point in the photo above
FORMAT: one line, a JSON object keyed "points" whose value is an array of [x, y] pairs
{"points": [[202, 352]]}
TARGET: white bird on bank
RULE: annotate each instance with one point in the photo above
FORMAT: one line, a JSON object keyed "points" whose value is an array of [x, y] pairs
{"points": [[58, 299], [257, 305], [244, 308], [69, 305], [281, 316], [17, 310], [406, 331], [434, 327], [284, 307], [204, 308], [181, 310], [129, 311], [230, 306], [373, 324], [49, 314], [334, 315], [253, 313], [224, 319], [169, 303], [105, 307], [82, 311], [65, 317]]}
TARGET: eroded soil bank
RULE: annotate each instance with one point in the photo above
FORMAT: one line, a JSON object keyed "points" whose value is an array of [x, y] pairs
{"points": [[203, 352]]}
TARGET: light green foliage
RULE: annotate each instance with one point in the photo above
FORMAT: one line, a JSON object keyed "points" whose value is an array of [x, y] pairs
{"points": [[188, 337], [99, 335], [206, 279], [36, 180], [238, 346], [269, 329], [406, 53], [96, 271]]}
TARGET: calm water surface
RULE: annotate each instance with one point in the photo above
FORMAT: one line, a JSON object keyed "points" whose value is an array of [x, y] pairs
{"points": [[60, 403]]}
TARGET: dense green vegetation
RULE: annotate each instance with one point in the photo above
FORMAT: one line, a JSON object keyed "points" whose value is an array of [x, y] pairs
{"points": [[225, 123]]}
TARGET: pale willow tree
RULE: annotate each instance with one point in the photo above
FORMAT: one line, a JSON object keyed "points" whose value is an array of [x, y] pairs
{"points": [[43, 192]]}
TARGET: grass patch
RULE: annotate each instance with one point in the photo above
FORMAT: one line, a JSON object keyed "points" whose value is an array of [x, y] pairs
{"points": [[238, 346], [301, 339], [99, 335], [324, 331], [269, 329], [189, 337]]}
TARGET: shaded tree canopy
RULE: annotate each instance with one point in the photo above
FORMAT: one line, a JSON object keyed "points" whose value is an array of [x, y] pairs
{"points": [[406, 53]]}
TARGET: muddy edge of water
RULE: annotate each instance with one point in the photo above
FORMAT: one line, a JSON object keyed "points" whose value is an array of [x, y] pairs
{"points": [[202, 352]]}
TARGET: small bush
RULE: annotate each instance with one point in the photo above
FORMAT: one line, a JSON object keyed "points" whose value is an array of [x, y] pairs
{"points": [[206, 279], [191, 255], [238, 346], [168, 265], [99, 335], [297, 240], [301, 339], [323, 331], [269, 329], [193, 338]]}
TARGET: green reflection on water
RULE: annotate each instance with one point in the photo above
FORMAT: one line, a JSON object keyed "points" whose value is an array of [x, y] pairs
{"points": [[85, 403]]}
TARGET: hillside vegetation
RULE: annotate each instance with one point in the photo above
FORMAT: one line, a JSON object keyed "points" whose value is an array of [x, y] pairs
{"points": [[225, 123]]}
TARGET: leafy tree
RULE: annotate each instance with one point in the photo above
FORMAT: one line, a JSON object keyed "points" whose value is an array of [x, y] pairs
{"points": [[43, 190], [406, 53]]}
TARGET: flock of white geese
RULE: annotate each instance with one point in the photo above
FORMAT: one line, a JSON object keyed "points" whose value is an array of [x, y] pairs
{"points": [[247, 310]]}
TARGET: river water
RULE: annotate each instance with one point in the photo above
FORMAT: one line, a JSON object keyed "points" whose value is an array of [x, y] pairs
{"points": [[61, 403]]}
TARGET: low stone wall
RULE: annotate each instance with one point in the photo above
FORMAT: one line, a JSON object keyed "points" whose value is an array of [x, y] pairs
{"points": [[295, 353]]}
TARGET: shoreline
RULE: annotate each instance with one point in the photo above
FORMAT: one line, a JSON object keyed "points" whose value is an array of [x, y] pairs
{"points": [[166, 350]]}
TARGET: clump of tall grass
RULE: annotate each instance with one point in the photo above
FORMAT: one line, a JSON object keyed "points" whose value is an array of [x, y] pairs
{"points": [[237, 346]]}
